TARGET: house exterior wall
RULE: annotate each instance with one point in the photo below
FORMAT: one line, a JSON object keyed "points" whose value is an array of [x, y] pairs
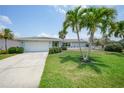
{"points": [[60, 44], [10, 43], [48, 44], [35, 46], [76, 44]]}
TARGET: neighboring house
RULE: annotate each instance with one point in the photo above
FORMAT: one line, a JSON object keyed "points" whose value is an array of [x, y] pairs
{"points": [[33, 44], [73, 43], [10, 43]]}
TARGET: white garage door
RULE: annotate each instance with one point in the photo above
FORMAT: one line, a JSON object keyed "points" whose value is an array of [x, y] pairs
{"points": [[31, 46]]}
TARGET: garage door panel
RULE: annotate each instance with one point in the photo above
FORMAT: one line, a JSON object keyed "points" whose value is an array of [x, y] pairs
{"points": [[36, 46]]}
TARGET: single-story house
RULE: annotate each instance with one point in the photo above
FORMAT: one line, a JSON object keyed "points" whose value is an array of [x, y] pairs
{"points": [[35, 44], [10, 43]]}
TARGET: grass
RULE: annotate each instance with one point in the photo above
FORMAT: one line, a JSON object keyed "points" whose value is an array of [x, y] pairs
{"points": [[65, 71], [2, 56]]}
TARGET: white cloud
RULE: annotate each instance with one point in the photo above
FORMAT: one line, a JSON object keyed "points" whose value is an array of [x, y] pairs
{"points": [[115, 38], [83, 35], [83, 6], [62, 9], [47, 35], [5, 19], [16, 34], [2, 27], [71, 36]]}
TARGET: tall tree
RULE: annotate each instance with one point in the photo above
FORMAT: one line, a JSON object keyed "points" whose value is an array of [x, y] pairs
{"points": [[109, 15], [97, 42], [73, 20], [104, 40], [97, 18], [119, 31], [6, 34], [62, 35], [93, 19]]}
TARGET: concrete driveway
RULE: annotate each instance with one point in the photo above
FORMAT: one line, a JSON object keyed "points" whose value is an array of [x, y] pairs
{"points": [[22, 70]]}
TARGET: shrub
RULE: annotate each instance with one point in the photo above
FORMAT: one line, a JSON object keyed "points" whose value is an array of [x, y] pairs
{"points": [[12, 50], [122, 43], [19, 50], [114, 47], [3, 52], [51, 50], [87, 45], [64, 48], [54, 50], [60, 49]]}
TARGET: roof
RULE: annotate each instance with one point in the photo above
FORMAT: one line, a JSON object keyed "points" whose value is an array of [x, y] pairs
{"points": [[73, 40], [38, 39], [47, 39]]}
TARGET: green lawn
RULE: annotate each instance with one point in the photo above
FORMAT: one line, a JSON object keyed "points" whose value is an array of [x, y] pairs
{"points": [[64, 70], [2, 56]]}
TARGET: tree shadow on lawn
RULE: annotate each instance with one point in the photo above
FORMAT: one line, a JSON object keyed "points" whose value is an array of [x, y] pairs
{"points": [[116, 54], [96, 64], [93, 65]]}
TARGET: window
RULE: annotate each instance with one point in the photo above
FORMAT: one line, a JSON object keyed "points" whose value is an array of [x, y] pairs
{"points": [[55, 44], [66, 44]]}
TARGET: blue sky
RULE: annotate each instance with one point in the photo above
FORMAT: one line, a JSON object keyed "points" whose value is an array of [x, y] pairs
{"points": [[40, 20]]}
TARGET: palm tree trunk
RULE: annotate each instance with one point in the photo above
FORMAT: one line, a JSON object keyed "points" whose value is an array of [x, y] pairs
{"points": [[79, 44], [90, 45], [82, 56], [104, 37], [89, 50], [6, 44], [62, 47]]}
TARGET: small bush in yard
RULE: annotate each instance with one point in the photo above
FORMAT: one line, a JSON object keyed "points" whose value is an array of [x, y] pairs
{"points": [[60, 49], [51, 51], [3, 52], [64, 48], [122, 43], [54, 50], [114, 47], [19, 50], [12, 50]]}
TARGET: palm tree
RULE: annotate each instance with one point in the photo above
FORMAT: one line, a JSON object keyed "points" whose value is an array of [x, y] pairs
{"points": [[97, 42], [119, 31], [73, 20], [62, 34], [109, 15], [6, 34], [97, 18], [93, 19], [104, 40]]}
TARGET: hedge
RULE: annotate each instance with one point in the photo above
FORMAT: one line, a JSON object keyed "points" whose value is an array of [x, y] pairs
{"points": [[64, 48], [55, 50], [12, 50], [19, 49], [122, 43], [114, 47]]}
